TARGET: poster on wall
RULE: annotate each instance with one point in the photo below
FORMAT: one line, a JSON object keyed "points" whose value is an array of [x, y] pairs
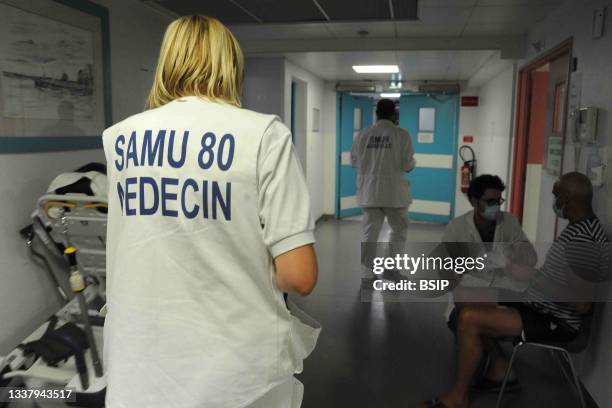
{"points": [[52, 75]]}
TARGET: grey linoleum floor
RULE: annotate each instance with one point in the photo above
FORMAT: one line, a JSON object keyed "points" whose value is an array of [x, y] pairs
{"points": [[375, 354]]}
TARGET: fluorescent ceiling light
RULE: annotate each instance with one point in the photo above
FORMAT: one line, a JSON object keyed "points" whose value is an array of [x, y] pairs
{"points": [[390, 95], [376, 69]]}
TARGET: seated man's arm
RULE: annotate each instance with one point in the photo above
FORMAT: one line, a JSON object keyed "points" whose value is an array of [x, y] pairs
{"points": [[589, 266], [523, 251], [588, 260], [296, 270], [521, 271]]}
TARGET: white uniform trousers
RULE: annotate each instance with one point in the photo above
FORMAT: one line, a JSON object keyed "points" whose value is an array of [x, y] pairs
{"points": [[373, 218]]}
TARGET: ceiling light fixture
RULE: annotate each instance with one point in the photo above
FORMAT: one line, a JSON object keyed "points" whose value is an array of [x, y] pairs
{"points": [[390, 95], [376, 69]]}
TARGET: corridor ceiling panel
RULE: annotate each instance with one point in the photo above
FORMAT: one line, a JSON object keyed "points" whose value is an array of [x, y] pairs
{"points": [[361, 10], [225, 11], [314, 19], [274, 11], [294, 11]]}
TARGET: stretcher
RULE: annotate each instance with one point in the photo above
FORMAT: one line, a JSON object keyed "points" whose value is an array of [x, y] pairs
{"points": [[61, 221]]}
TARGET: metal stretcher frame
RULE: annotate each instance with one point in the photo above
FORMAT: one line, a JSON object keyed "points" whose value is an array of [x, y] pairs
{"points": [[38, 374], [77, 221]]}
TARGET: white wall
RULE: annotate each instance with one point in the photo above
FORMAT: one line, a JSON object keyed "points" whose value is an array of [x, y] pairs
{"points": [[267, 88], [315, 141], [328, 129], [264, 85], [26, 295], [490, 123], [136, 32], [494, 124], [573, 19], [468, 126]]}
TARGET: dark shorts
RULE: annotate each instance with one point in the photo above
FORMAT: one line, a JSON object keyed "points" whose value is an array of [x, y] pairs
{"points": [[541, 327]]}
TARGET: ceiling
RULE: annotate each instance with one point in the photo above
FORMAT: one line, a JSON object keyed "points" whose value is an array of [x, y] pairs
{"points": [[291, 11], [306, 19], [428, 39], [456, 65]]}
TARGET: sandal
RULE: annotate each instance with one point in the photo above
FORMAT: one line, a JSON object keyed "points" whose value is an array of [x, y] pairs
{"points": [[435, 403], [486, 386]]}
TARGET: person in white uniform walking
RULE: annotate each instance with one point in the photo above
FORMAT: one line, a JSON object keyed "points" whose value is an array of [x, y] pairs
{"points": [[209, 223], [382, 154]]}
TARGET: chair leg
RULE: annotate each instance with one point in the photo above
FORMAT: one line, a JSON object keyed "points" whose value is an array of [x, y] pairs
{"points": [[485, 366], [507, 376], [556, 355], [576, 380]]}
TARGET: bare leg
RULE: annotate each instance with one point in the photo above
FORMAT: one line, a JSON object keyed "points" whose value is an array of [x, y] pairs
{"points": [[474, 324]]}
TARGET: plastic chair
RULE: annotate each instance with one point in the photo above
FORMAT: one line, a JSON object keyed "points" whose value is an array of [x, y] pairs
{"points": [[557, 350]]}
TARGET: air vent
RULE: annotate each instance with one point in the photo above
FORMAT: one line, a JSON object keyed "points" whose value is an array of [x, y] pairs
{"points": [[356, 86], [439, 87]]}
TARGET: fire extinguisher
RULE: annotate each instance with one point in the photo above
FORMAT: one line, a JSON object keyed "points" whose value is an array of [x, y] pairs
{"points": [[468, 170]]}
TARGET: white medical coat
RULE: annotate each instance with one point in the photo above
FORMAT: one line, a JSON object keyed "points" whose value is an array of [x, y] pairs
{"points": [[508, 234], [463, 229], [195, 318], [382, 154]]}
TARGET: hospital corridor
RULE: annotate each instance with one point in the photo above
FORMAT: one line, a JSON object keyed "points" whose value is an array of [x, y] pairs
{"points": [[305, 203]]}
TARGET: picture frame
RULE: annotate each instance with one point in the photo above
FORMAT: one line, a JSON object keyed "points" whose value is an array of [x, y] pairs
{"points": [[55, 83]]}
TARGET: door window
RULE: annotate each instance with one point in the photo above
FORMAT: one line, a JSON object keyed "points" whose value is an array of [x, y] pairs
{"points": [[427, 119]]}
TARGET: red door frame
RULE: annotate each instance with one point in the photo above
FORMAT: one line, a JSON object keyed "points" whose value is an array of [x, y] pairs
{"points": [[523, 100]]}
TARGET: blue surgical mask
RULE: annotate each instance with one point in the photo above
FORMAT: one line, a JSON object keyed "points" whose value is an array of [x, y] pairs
{"points": [[490, 212], [558, 210]]}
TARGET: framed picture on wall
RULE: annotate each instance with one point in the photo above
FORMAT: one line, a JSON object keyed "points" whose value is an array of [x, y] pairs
{"points": [[54, 75]]}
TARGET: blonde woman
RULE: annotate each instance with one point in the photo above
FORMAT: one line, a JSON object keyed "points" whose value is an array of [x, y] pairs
{"points": [[209, 223]]}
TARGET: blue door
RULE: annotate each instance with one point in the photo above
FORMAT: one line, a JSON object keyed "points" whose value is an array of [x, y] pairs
{"points": [[354, 113], [432, 124]]}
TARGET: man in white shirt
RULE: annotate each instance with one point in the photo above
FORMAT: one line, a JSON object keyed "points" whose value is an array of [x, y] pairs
{"points": [[382, 154]]}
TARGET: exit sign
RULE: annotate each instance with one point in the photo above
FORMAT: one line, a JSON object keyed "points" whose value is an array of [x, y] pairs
{"points": [[469, 101]]}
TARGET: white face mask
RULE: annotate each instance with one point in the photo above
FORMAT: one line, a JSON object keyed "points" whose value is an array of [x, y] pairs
{"points": [[490, 212]]}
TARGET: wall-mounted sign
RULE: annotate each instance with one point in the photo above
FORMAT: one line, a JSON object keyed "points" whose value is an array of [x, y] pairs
{"points": [[469, 101], [554, 152], [425, 137], [468, 139]]}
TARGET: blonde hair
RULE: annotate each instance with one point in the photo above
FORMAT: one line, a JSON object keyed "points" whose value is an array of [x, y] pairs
{"points": [[199, 56]]}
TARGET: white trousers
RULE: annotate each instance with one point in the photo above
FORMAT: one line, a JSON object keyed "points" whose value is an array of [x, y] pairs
{"points": [[372, 222], [285, 395], [373, 218]]}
